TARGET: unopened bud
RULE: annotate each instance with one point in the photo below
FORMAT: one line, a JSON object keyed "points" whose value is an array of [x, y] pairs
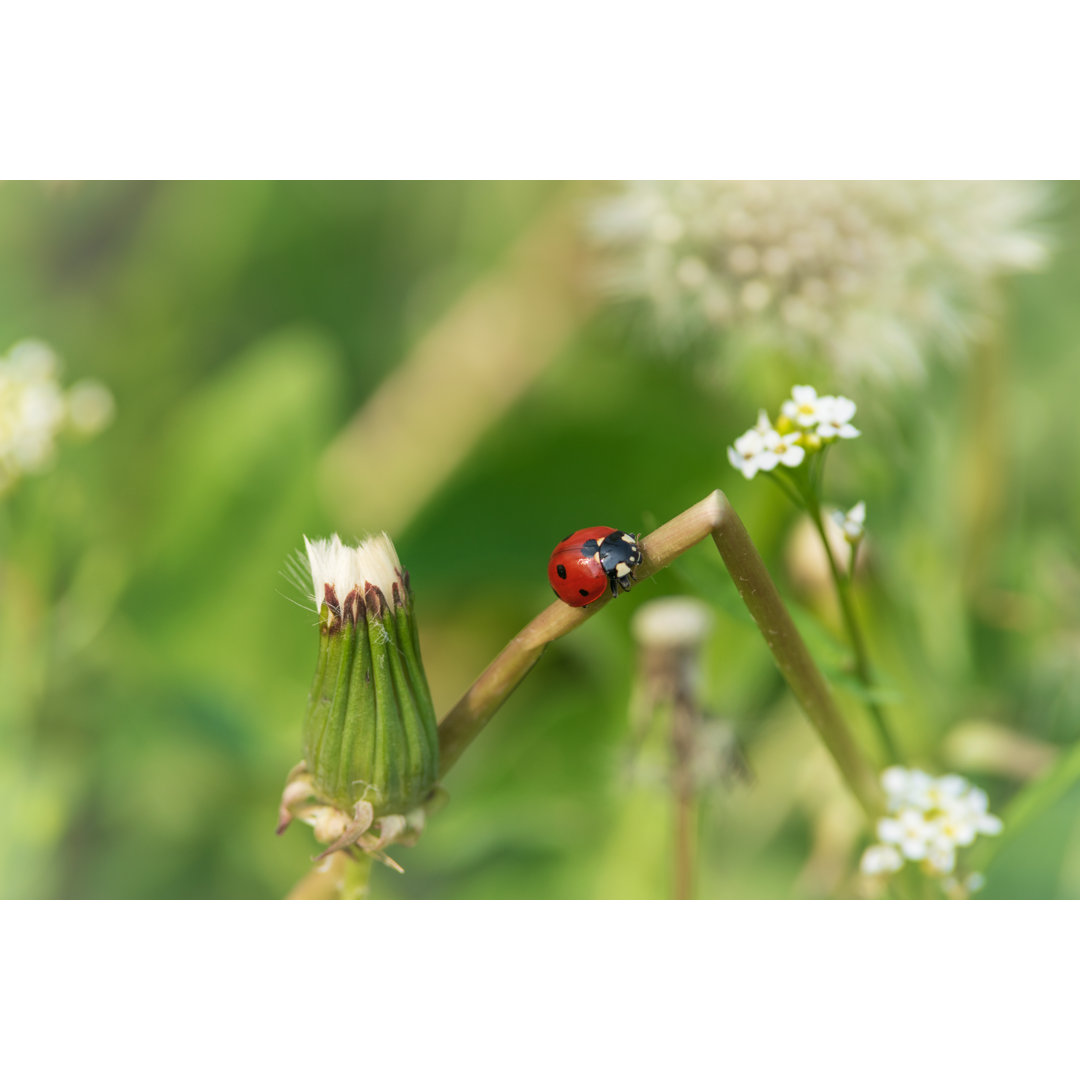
{"points": [[370, 732], [371, 747]]}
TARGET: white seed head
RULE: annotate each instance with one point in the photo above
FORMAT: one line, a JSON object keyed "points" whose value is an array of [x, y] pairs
{"points": [[90, 407], [874, 275], [373, 561], [672, 622]]}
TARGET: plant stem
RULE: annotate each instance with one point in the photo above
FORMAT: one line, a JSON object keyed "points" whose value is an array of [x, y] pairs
{"points": [[714, 517], [851, 625], [683, 740], [337, 877]]}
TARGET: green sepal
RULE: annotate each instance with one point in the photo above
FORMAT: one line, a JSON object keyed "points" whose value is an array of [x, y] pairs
{"points": [[370, 732]]}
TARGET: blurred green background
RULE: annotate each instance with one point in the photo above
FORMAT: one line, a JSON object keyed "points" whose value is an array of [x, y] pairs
{"points": [[153, 672]]}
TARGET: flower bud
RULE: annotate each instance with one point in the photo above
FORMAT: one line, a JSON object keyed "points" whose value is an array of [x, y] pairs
{"points": [[370, 739]]}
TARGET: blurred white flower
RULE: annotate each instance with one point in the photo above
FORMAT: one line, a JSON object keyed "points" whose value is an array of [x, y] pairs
{"points": [[853, 523], [876, 276], [881, 859], [90, 407], [34, 409], [909, 831], [932, 818]]}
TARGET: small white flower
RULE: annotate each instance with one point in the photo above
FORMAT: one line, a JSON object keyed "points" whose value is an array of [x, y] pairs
{"points": [[803, 407], [881, 859], [968, 814], [853, 523], [953, 830], [835, 415], [827, 417], [762, 450], [905, 787], [941, 858], [909, 831]]}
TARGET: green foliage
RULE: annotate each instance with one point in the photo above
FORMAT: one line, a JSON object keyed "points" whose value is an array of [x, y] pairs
{"points": [[153, 673]]}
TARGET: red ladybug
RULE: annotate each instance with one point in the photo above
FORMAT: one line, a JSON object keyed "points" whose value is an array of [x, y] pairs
{"points": [[587, 562]]}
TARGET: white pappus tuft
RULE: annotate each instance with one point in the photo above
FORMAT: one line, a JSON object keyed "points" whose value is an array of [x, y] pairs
{"points": [[340, 568]]}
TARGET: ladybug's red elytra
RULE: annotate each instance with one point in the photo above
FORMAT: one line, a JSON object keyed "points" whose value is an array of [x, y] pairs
{"points": [[587, 562]]}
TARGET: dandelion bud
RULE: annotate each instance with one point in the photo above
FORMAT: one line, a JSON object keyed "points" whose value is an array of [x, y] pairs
{"points": [[671, 633], [370, 739]]}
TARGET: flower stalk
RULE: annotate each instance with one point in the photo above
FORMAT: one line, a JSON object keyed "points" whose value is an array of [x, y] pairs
{"points": [[808, 425], [859, 652]]}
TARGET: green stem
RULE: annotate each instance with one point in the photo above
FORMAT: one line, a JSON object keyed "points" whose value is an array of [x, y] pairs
{"points": [[337, 877], [851, 625]]}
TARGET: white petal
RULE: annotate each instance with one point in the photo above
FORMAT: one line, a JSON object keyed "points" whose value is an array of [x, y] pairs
{"points": [[914, 848], [880, 859], [749, 443], [895, 780], [943, 860], [890, 831], [842, 409], [793, 456]]}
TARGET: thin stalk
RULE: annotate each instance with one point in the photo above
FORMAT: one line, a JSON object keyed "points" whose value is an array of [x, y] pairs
{"points": [[338, 877], [683, 731], [854, 632], [714, 517]]}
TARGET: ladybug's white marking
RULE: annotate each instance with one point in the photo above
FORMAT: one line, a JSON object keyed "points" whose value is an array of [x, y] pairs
{"points": [[630, 540], [621, 569]]}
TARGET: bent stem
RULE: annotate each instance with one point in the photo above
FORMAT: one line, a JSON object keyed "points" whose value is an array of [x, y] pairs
{"points": [[714, 517]]}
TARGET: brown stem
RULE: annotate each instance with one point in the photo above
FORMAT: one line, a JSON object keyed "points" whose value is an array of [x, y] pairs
{"points": [[712, 516], [684, 725]]}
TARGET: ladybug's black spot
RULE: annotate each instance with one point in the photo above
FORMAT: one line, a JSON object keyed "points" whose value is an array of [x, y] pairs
{"points": [[584, 592], [590, 548], [561, 571]]}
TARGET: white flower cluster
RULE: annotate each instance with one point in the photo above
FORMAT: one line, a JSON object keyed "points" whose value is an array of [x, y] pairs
{"points": [[807, 422], [870, 274], [34, 409], [932, 817]]}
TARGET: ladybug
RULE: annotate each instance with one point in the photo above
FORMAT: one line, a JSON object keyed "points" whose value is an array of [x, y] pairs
{"points": [[587, 562]]}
